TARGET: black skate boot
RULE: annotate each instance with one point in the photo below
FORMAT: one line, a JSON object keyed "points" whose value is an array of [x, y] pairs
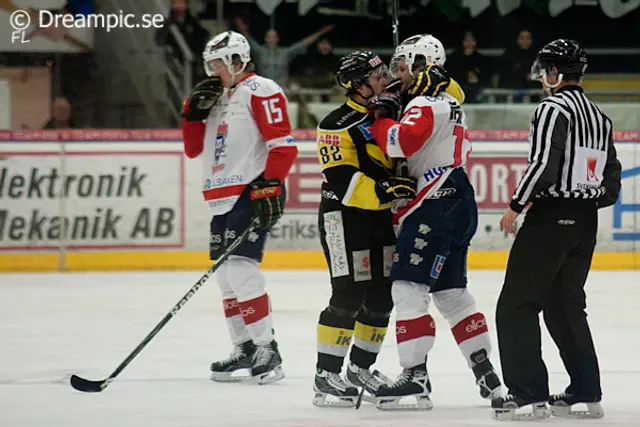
{"points": [[329, 384], [504, 408], [364, 378], [486, 377], [241, 358], [412, 382], [561, 406], [267, 364]]}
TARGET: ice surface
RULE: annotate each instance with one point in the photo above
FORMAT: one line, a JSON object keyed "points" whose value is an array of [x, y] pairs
{"points": [[53, 325]]}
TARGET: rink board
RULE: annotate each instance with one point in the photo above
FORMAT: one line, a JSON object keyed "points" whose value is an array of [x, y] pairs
{"points": [[130, 200]]}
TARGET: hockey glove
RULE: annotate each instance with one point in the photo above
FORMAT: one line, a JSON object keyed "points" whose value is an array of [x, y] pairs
{"points": [[396, 188], [203, 96], [430, 81], [389, 104], [266, 201]]}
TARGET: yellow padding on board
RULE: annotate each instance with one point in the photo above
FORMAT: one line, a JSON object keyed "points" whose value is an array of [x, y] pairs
{"points": [[273, 260]]}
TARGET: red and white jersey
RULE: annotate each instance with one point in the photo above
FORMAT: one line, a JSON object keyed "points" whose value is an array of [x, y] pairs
{"points": [[245, 124], [433, 136]]}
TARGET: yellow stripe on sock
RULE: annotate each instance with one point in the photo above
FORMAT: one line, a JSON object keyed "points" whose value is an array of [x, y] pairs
{"points": [[369, 338], [334, 336]]}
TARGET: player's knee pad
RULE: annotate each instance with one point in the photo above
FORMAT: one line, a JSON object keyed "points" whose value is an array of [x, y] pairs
{"points": [[455, 304], [347, 299], [245, 278], [411, 299]]}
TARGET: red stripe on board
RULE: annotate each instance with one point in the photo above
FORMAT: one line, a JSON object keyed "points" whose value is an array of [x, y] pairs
{"points": [[407, 330], [255, 309], [470, 327]]}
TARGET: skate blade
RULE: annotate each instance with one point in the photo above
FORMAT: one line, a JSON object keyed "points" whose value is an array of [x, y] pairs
{"points": [[594, 411], [326, 400], [269, 377], [237, 376], [539, 411], [394, 403]]}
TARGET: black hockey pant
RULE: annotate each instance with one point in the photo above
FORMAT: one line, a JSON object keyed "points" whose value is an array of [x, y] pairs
{"points": [[547, 270]]}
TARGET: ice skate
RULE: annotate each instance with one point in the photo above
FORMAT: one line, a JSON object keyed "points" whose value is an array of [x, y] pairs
{"points": [[241, 359], [332, 390], [267, 364], [486, 377], [366, 380], [412, 383], [562, 405], [506, 409]]}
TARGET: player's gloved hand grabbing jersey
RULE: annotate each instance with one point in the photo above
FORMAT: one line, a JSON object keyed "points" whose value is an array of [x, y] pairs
{"points": [[266, 202], [430, 81], [396, 188], [387, 104], [203, 97]]}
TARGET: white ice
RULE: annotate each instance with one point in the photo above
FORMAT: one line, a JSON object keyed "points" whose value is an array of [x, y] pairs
{"points": [[53, 325]]}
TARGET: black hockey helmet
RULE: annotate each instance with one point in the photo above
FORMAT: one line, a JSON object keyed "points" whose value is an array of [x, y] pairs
{"points": [[563, 57], [356, 67]]}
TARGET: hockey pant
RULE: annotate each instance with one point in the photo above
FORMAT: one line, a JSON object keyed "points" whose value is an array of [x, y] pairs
{"points": [[358, 246], [431, 262]]}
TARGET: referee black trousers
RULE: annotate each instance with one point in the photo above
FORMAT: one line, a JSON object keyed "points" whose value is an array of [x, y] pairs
{"points": [[547, 270]]}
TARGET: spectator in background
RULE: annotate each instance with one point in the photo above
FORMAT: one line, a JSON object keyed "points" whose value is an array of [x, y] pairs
{"points": [[195, 35], [272, 60], [62, 117], [318, 67], [515, 69], [469, 68]]}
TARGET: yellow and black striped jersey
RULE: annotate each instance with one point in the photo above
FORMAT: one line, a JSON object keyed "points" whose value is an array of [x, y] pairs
{"points": [[351, 160]]}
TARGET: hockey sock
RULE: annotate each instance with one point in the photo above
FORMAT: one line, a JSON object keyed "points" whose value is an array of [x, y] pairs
{"points": [[468, 326], [257, 318], [237, 329], [335, 329], [415, 328], [369, 332]]}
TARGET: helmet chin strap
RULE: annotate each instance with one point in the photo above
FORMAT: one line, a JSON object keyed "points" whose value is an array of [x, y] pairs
{"points": [[549, 87]]}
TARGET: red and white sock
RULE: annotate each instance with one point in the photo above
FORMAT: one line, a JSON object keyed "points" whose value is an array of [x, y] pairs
{"points": [[256, 314], [237, 329], [472, 334], [415, 338]]}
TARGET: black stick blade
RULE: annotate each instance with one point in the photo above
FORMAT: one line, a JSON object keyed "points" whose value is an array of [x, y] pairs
{"points": [[88, 386]]}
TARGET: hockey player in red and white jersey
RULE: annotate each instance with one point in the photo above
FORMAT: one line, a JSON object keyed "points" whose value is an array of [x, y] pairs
{"points": [[435, 229], [236, 122]]}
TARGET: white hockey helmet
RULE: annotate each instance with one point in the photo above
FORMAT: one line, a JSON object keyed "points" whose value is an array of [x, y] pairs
{"points": [[424, 45], [225, 46]]}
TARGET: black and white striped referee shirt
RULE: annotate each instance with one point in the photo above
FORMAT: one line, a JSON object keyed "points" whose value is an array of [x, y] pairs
{"points": [[571, 154]]}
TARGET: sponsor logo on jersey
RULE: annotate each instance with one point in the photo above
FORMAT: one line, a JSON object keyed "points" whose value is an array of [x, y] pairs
{"points": [[329, 139], [415, 259], [424, 229], [365, 128], [436, 268], [419, 243], [220, 150], [227, 180], [592, 163], [393, 135], [434, 173]]}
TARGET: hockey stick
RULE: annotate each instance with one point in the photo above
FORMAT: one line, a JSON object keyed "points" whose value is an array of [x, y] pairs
{"points": [[395, 23], [89, 386]]}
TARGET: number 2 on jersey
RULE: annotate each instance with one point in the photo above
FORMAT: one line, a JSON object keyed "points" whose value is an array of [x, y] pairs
{"points": [[330, 153], [272, 110]]}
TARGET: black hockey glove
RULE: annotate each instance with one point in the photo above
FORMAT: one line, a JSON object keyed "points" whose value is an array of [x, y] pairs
{"points": [[266, 201], [430, 81], [203, 96], [388, 103], [396, 188]]}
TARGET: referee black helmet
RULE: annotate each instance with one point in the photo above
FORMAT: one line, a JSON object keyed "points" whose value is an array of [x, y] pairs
{"points": [[563, 58]]}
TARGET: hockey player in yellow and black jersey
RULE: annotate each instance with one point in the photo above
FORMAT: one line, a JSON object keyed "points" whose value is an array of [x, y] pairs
{"points": [[356, 234]]}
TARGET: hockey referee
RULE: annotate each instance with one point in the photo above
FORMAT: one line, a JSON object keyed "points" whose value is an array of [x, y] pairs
{"points": [[573, 171]]}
